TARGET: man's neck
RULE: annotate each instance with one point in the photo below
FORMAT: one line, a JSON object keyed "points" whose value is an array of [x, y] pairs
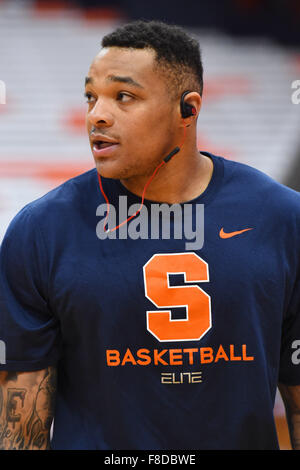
{"points": [[180, 180]]}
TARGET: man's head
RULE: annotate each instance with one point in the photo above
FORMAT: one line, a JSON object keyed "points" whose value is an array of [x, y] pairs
{"points": [[177, 55], [134, 87]]}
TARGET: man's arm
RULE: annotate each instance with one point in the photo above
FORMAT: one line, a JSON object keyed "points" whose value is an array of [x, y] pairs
{"points": [[291, 399], [26, 409]]}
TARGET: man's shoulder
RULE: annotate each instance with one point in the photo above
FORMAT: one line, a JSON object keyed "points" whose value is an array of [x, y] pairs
{"points": [[55, 206], [257, 184], [73, 192], [242, 172]]}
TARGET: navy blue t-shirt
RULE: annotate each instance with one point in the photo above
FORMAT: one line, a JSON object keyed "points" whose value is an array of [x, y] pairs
{"points": [[157, 346]]}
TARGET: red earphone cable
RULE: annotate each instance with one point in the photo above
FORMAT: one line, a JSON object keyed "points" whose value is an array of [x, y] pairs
{"points": [[144, 191]]}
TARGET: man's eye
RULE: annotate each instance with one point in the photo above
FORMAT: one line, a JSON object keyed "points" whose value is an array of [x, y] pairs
{"points": [[89, 97], [124, 97]]}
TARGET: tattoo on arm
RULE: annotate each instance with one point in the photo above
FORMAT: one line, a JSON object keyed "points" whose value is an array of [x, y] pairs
{"points": [[291, 399], [27, 403]]}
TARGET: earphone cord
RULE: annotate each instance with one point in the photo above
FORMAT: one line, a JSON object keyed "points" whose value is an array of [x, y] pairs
{"points": [[143, 195]]}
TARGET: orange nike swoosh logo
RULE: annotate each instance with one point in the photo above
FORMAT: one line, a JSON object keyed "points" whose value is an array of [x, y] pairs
{"points": [[232, 234]]}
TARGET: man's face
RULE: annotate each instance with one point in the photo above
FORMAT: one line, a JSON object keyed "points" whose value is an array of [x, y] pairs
{"points": [[128, 103]]}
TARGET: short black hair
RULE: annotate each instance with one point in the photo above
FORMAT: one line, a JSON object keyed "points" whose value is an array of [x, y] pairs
{"points": [[177, 53]]}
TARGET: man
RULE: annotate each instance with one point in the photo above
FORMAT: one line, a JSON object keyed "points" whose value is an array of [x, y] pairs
{"points": [[140, 342]]}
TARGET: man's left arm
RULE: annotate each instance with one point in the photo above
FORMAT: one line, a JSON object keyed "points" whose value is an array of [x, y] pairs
{"points": [[291, 398]]}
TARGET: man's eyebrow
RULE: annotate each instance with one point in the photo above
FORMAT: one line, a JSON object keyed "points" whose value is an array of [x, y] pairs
{"points": [[117, 78], [128, 80], [88, 80]]}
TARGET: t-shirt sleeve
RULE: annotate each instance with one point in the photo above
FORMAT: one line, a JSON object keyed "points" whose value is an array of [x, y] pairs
{"points": [[289, 372], [29, 331]]}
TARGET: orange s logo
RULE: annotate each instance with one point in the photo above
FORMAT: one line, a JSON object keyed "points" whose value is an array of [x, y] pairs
{"points": [[192, 297]]}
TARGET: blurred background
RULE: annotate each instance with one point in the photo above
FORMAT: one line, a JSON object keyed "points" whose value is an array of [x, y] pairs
{"points": [[251, 55]]}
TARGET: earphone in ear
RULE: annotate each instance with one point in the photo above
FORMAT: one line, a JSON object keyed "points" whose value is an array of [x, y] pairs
{"points": [[186, 109]]}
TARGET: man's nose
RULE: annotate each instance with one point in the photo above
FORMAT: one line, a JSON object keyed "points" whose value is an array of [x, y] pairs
{"points": [[100, 113]]}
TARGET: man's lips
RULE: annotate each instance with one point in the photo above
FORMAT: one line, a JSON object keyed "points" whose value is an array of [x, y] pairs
{"points": [[98, 137], [102, 146], [105, 151]]}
